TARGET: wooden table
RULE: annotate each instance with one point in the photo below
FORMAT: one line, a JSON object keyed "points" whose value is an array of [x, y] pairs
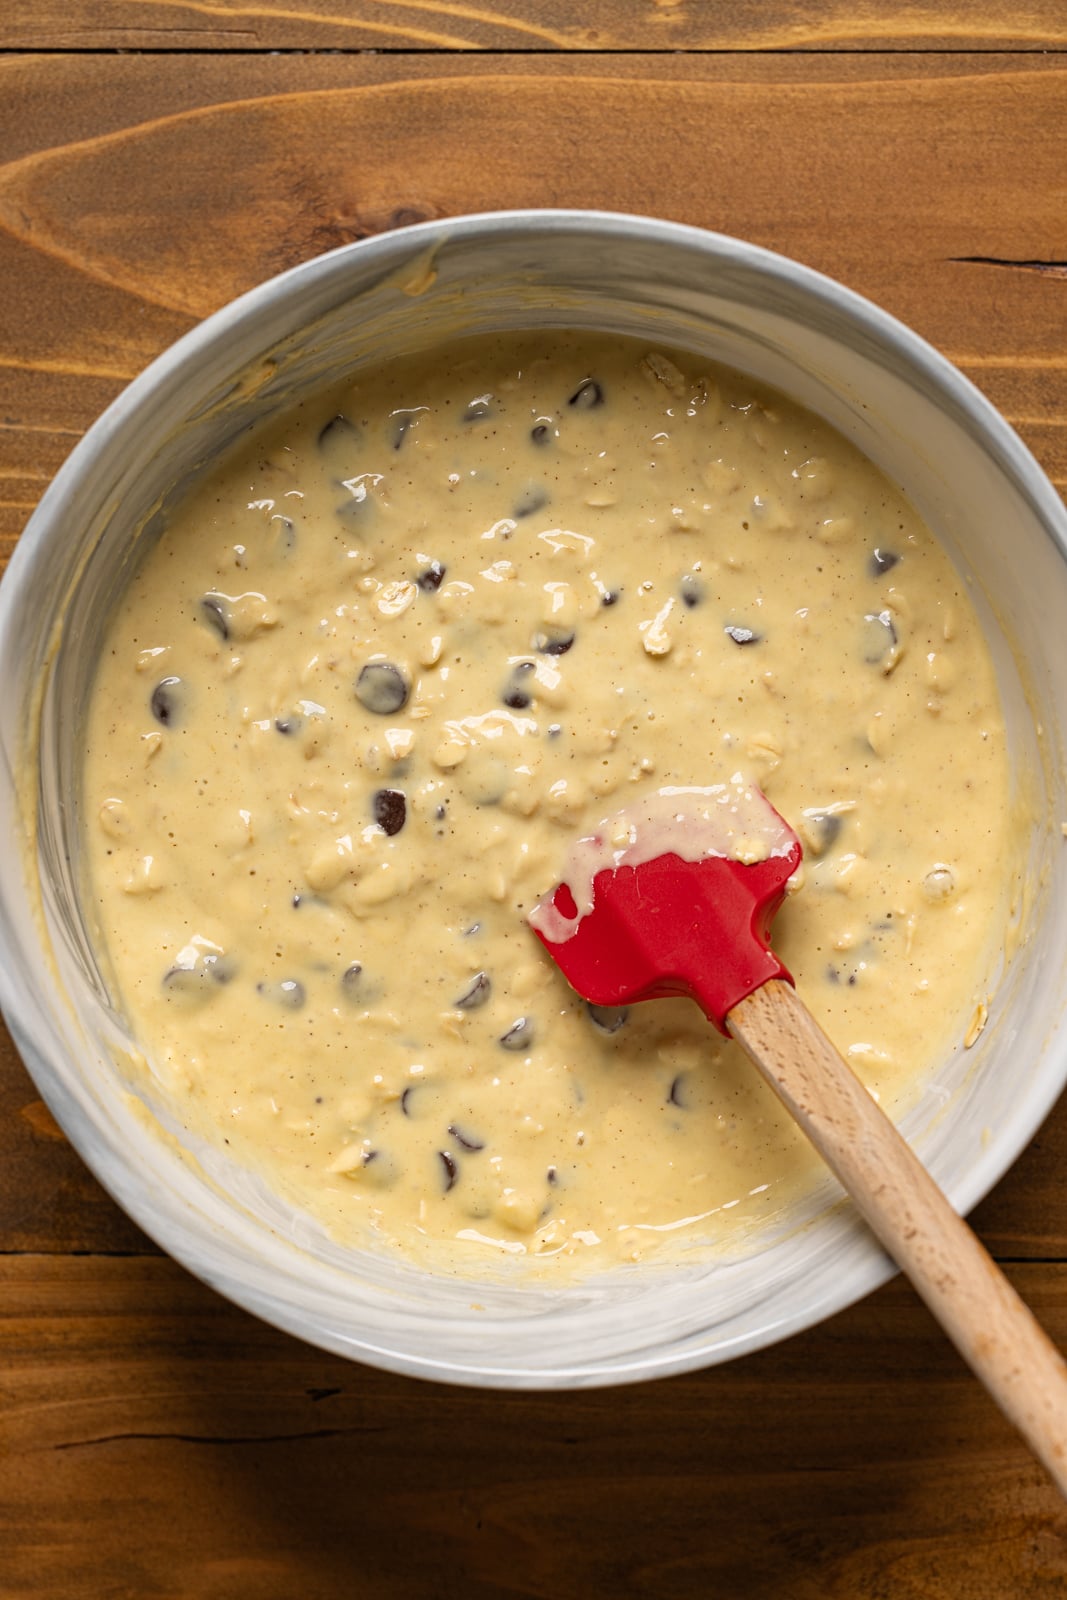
{"points": [[156, 160]]}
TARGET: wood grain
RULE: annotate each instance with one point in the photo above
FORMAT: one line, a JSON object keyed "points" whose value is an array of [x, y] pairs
{"points": [[213, 1458], [104, 263], [991, 1327], [833, 25], [156, 1442], [120, 225]]}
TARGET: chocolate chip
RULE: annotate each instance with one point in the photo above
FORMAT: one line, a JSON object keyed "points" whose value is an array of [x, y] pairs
{"points": [[181, 979], [691, 590], [284, 532], [213, 611], [476, 993], [742, 635], [390, 810], [879, 637], [552, 1176], [195, 978], [289, 725], [553, 643], [822, 828], [520, 1035], [609, 1019], [339, 435], [541, 433], [478, 409], [289, 993], [532, 499], [515, 696], [451, 1170], [431, 578], [882, 561], [359, 502], [403, 421], [611, 598], [467, 1140], [166, 701], [382, 688], [587, 395]]}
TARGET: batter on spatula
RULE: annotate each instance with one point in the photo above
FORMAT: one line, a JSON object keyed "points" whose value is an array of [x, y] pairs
{"points": [[394, 655]]}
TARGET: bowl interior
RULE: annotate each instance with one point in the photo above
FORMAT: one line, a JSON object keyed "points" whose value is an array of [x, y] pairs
{"points": [[963, 469]]}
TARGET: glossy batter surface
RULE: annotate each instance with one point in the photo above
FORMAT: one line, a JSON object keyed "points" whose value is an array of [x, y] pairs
{"points": [[387, 664]]}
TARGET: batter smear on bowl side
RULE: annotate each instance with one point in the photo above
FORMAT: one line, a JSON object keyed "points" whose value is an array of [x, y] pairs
{"points": [[389, 660]]}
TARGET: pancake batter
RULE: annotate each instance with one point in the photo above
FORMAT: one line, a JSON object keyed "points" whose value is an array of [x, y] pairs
{"points": [[390, 661]]}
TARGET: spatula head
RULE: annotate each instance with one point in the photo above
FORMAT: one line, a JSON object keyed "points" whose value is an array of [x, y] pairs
{"points": [[667, 925]]}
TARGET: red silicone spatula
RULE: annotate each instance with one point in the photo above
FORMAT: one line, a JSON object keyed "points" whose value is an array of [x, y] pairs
{"points": [[676, 897]]}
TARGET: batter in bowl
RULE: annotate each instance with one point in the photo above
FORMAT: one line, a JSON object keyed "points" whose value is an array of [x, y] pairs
{"points": [[384, 666]]}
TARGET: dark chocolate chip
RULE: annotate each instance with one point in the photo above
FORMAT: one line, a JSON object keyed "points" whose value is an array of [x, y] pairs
{"points": [[882, 561], [213, 612], [476, 993], [553, 1176], [431, 577], [478, 409], [338, 434], [359, 501], [609, 1019], [515, 696], [691, 590], [382, 688], [520, 1036], [166, 701], [289, 725], [195, 978], [467, 1140], [532, 499], [284, 531], [390, 810], [541, 433], [553, 643], [742, 635], [823, 828], [403, 421], [587, 395], [289, 993], [451, 1170], [610, 598]]}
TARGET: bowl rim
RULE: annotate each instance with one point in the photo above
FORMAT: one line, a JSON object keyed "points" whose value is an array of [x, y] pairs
{"points": [[391, 251]]}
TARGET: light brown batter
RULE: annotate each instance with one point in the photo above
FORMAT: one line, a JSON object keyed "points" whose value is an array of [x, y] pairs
{"points": [[388, 663]]}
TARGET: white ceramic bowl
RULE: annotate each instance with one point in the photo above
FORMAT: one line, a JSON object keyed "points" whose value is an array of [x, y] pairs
{"points": [[924, 424]]}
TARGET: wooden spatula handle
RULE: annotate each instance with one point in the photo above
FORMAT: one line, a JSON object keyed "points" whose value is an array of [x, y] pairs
{"points": [[968, 1294]]}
